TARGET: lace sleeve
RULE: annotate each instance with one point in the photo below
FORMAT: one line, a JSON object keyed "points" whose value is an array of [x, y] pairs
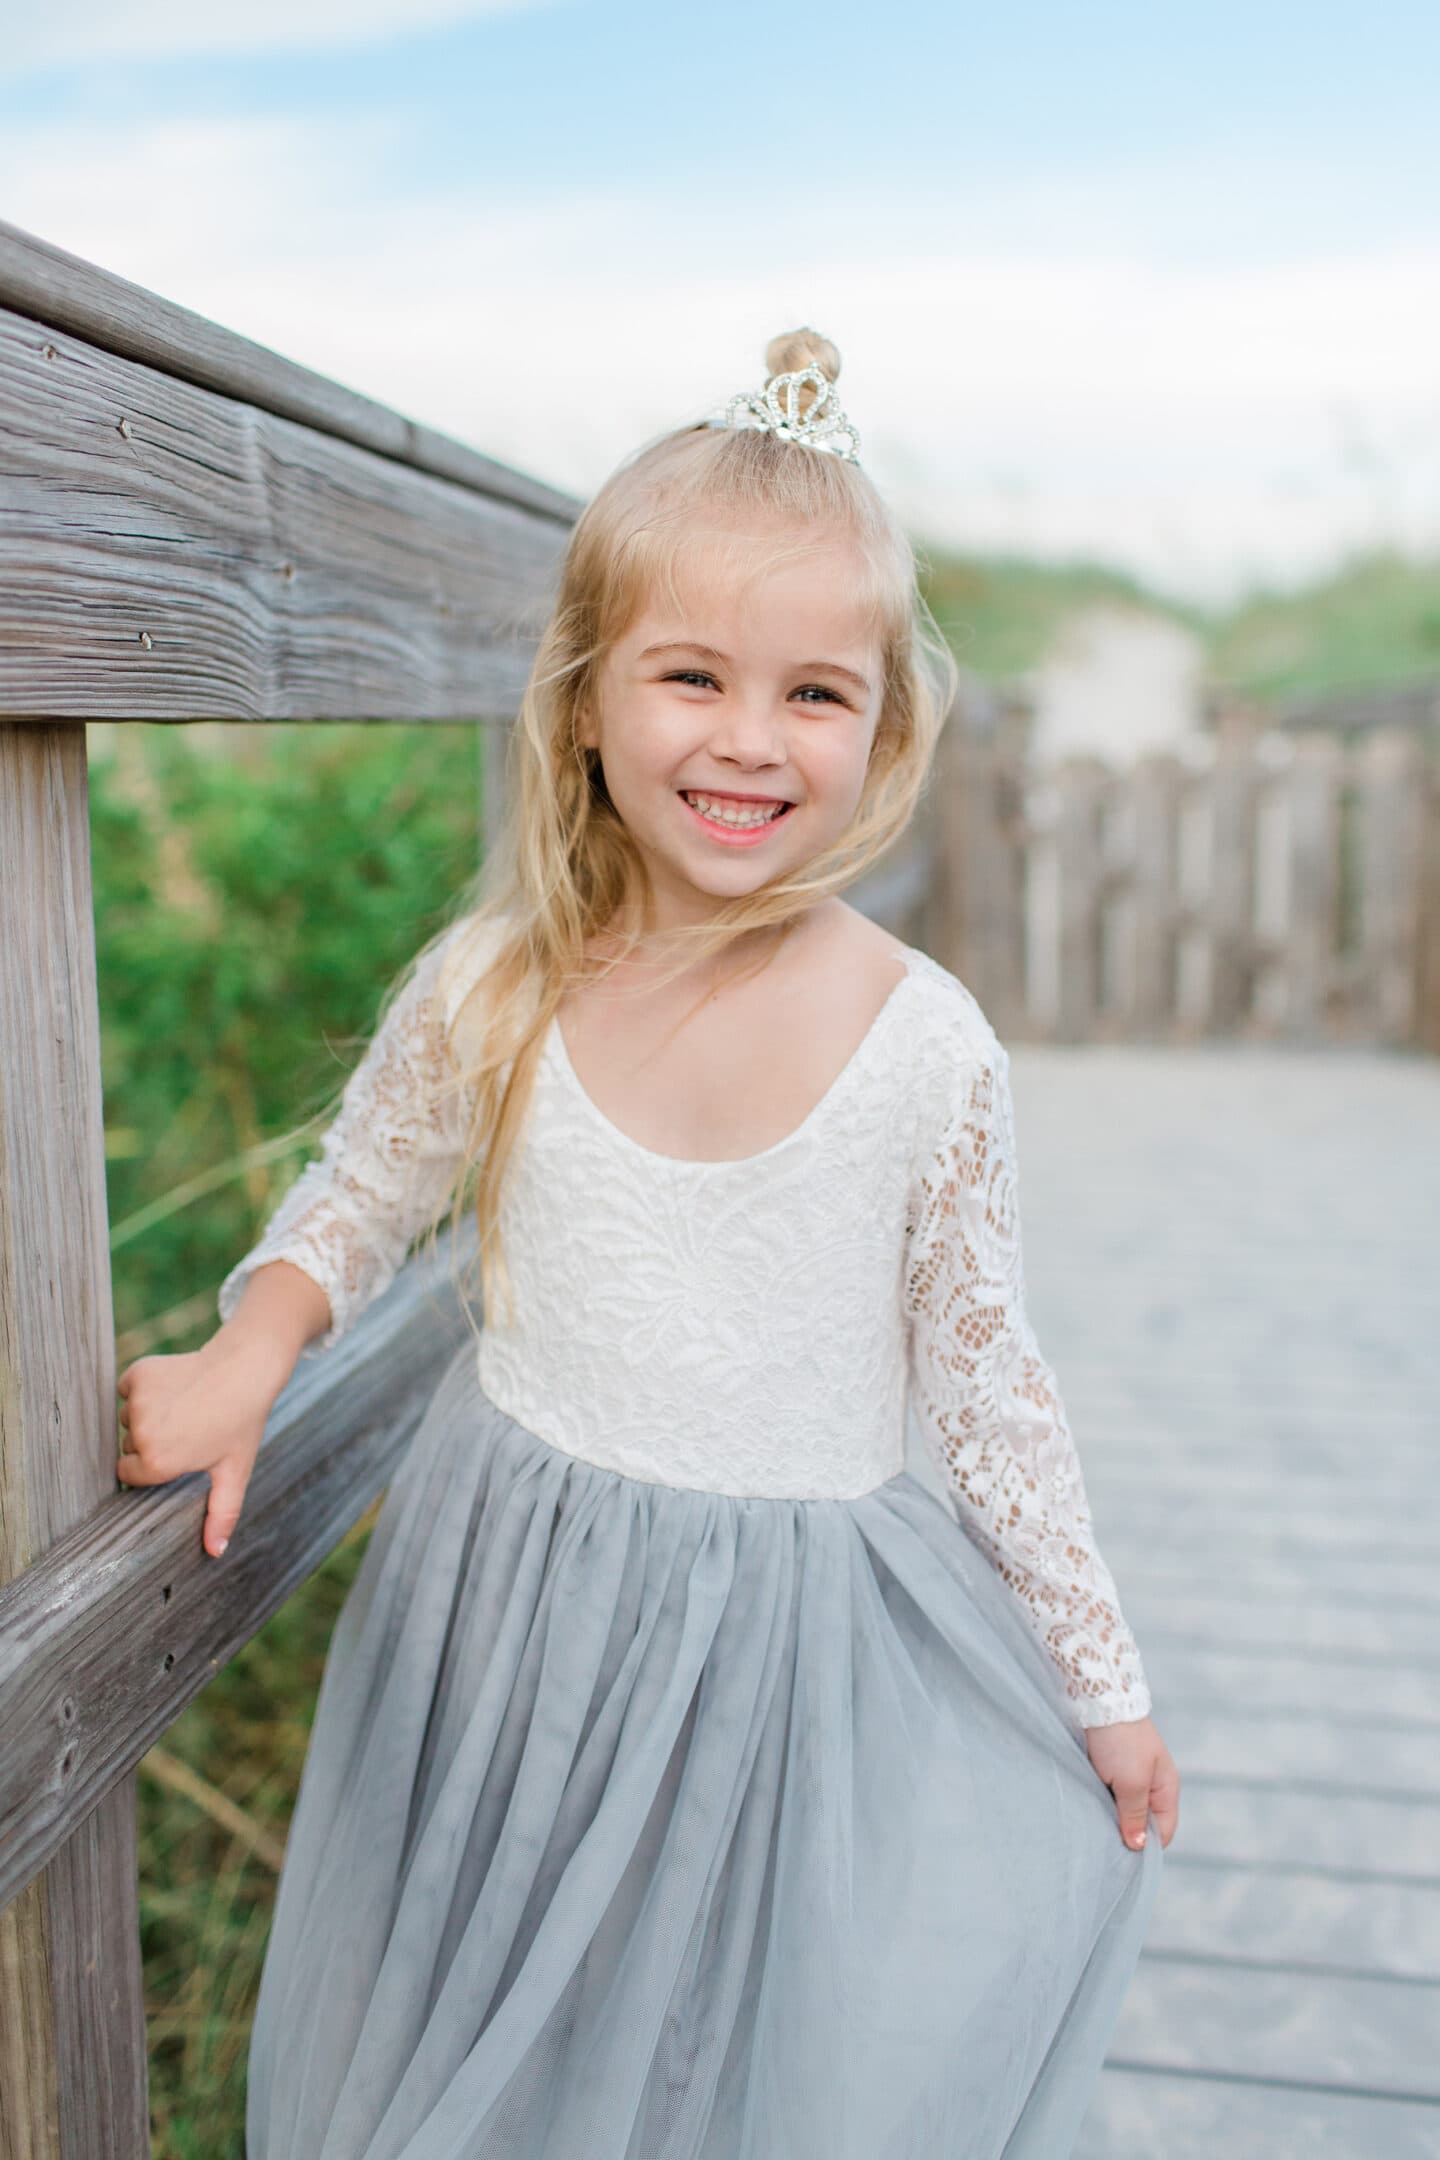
{"points": [[387, 1164], [988, 1405]]}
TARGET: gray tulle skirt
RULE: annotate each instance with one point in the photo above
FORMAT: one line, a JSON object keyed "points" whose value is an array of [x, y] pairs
{"points": [[644, 1823]]}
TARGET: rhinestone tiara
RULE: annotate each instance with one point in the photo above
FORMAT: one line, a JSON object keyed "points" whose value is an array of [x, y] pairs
{"points": [[777, 408]]}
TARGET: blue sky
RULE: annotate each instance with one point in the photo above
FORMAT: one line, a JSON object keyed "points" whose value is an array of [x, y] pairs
{"points": [[1157, 283]]}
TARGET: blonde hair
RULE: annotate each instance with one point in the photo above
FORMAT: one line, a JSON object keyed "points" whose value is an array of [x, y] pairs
{"points": [[564, 865]]}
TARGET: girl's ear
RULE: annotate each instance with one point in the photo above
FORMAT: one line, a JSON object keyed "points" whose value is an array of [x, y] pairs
{"points": [[585, 727]]}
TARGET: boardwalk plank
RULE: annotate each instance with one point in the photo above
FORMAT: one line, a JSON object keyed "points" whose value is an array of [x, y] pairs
{"points": [[1333, 1830], [1346, 1581], [1374, 2036], [1236, 1619], [1404, 1526], [1286, 1682], [1140, 2116], [1251, 1914], [1359, 1755]]}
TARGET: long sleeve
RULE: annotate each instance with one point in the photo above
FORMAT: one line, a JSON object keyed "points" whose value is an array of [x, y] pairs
{"points": [[388, 1162], [988, 1405]]}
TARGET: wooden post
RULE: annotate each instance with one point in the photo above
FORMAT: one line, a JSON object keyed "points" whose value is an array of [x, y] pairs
{"points": [[1193, 989], [1393, 820], [975, 912], [1427, 939], [1230, 908], [1117, 928], [1313, 788], [72, 2011], [1040, 908], [1155, 787], [1080, 783]]}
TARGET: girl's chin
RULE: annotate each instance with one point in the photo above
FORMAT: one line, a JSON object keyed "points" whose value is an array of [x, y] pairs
{"points": [[728, 874]]}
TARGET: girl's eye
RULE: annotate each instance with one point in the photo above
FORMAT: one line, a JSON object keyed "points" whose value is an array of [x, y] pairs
{"points": [[687, 675]]}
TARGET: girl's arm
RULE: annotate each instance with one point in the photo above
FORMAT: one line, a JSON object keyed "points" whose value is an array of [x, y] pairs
{"points": [[279, 1309], [988, 1404], [388, 1163]]}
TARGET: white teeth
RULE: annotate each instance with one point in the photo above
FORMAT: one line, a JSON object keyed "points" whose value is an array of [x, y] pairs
{"points": [[732, 813]]}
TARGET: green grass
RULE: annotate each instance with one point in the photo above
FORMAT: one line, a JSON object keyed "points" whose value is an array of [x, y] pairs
{"points": [[1374, 624]]}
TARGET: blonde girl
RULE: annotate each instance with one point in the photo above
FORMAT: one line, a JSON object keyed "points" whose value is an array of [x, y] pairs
{"points": [[689, 1781]]}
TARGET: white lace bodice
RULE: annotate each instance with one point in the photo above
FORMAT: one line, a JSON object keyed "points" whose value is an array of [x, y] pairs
{"points": [[752, 1327]]}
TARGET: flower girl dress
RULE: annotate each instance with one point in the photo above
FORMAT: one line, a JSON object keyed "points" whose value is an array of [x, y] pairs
{"points": [[688, 1779]]}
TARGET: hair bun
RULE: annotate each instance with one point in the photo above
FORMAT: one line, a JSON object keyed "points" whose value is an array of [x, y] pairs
{"points": [[796, 349]]}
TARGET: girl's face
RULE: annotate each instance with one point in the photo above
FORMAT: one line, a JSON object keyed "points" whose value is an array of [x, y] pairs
{"points": [[735, 737]]}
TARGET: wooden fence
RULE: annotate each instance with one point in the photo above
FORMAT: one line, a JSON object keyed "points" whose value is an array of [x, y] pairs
{"points": [[1272, 883], [191, 528]]}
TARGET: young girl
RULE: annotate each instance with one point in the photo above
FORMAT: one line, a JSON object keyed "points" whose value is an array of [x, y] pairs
{"points": [[688, 1781]]}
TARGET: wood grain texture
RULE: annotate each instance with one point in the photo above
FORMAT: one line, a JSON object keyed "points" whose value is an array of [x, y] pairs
{"points": [[170, 554], [120, 1624], [978, 901], [66, 293], [72, 2016], [56, 1330]]}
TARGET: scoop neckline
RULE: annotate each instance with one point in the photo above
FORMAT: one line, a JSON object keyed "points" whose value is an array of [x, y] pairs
{"points": [[555, 1043]]}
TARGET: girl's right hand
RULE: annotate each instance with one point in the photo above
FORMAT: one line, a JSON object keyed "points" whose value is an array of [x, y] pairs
{"points": [[201, 1410]]}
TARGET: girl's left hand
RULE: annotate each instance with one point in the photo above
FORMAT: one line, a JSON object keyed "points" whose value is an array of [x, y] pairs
{"points": [[1140, 1771]]}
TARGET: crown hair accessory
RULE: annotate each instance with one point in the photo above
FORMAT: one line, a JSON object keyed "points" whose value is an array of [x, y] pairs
{"points": [[776, 408]]}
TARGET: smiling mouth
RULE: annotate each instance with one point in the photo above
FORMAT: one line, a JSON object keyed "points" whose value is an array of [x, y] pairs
{"points": [[736, 813]]}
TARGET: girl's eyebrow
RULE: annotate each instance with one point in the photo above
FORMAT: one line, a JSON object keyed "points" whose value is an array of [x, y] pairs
{"points": [[711, 652]]}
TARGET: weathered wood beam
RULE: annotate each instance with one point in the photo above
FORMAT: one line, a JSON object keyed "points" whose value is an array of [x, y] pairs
{"points": [[72, 2007], [171, 554], [109, 1634]]}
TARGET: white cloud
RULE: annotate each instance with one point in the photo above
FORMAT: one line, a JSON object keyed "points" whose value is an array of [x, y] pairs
{"points": [[68, 33], [1196, 423]]}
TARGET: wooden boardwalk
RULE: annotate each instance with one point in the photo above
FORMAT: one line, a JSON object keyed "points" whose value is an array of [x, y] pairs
{"points": [[1233, 1262]]}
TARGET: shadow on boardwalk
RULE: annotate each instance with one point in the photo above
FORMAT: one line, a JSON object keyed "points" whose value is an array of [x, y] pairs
{"points": [[1233, 1262]]}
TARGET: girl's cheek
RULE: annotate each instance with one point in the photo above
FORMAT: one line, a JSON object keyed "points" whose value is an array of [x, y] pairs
{"points": [[838, 779]]}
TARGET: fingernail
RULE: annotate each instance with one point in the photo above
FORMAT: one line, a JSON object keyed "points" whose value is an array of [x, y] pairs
{"points": [[1138, 1840], [221, 1546]]}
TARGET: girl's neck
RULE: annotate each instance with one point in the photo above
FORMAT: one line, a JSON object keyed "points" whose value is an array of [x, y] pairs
{"points": [[655, 948]]}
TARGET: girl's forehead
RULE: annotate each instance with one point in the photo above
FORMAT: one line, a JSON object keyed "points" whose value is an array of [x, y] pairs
{"points": [[712, 581], [741, 555]]}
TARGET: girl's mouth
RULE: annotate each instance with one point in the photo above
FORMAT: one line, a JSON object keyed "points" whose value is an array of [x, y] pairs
{"points": [[737, 820]]}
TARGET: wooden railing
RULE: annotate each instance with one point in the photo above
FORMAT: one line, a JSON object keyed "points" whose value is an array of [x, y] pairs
{"points": [[191, 528]]}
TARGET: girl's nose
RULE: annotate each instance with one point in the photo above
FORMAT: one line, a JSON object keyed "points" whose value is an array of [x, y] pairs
{"points": [[750, 734]]}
